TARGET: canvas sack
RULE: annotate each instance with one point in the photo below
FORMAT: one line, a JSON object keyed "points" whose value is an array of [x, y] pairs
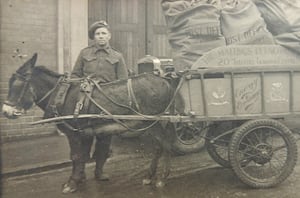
{"points": [[243, 24], [193, 29]]}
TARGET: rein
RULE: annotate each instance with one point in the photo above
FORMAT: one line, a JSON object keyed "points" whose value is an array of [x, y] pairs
{"points": [[118, 120], [131, 95], [133, 110], [130, 90], [50, 91]]}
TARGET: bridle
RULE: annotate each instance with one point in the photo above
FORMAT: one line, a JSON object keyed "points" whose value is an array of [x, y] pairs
{"points": [[26, 80]]}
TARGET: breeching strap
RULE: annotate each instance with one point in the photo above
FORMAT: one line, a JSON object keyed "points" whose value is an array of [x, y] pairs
{"points": [[133, 110], [121, 105], [131, 95], [117, 120]]}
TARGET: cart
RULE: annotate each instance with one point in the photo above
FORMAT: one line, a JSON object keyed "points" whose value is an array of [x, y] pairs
{"points": [[243, 92], [244, 95]]}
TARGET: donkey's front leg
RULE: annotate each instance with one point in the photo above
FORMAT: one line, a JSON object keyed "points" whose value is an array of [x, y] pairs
{"points": [[80, 146], [77, 177]]}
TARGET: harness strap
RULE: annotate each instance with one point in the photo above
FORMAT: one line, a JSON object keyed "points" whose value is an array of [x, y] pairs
{"points": [[88, 95], [114, 102], [136, 112], [79, 104], [117, 120], [131, 95], [85, 89], [51, 91]]}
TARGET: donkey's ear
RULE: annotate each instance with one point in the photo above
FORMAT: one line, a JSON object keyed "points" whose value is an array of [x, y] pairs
{"points": [[28, 65]]}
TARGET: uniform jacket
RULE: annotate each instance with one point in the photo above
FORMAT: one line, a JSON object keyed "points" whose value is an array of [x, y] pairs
{"points": [[103, 64]]}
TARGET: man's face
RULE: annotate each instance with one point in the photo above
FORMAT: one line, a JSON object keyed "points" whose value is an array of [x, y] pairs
{"points": [[102, 36]]}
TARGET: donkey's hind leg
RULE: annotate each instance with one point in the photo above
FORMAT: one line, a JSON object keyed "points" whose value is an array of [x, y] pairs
{"points": [[166, 169], [102, 152], [153, 166]]}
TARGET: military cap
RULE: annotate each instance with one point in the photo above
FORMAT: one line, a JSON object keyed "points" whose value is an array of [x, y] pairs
{"points": [[95, 26]]}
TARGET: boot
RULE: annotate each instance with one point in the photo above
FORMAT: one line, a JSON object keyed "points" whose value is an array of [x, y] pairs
{"points": [[100, 176]]}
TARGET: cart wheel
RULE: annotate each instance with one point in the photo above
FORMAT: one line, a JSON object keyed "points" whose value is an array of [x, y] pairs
{"points": [[218, 149], [263, 153], [189, 137]]}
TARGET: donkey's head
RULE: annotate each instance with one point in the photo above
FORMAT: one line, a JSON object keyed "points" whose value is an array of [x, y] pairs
{"points": [[20, 95]]}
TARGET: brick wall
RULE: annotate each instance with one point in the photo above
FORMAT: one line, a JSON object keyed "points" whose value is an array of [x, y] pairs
{"points": [[27, 26]]}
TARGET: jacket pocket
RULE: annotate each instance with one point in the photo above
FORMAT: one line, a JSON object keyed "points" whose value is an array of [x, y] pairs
{"points": [[89, 58], [112, 60]]}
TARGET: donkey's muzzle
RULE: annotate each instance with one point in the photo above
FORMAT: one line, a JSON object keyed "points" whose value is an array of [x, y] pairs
{"points": [[11, 112]]}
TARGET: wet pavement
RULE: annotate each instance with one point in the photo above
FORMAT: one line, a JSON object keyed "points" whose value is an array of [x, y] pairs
{"points": [[192, 176], [126, 167], [27, 156]]}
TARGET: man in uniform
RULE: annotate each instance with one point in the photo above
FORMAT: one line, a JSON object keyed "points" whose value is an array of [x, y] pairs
{"points": [[105, 64]]}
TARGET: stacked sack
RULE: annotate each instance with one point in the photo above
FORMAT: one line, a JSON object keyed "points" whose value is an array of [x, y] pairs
{"points": [[283, 21], [194, 28], [241, 23], [198, 26]]}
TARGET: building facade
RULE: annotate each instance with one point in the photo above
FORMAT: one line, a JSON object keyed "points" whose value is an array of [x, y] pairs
{"points": [[57, 31]]}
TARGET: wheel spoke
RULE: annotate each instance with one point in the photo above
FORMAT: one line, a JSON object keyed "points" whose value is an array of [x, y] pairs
{"points": [[180, 135], [278, 148], [257, 138], [278, 161]]}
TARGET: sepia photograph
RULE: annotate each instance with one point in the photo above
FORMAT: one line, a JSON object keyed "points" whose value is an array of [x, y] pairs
{"points": [[149, 98]]}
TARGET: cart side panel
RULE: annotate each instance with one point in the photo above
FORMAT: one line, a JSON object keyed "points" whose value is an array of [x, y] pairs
{"points": [[184, 92], [240, 92], [196, 98], [218, 95], [191, 91], [277, 92], [247, 93], [296, 92]]}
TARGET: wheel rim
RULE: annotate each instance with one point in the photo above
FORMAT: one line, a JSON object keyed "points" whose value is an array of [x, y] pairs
{"points": [[262, 153]]}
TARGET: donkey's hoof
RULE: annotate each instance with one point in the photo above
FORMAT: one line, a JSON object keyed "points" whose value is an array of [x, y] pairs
{"points": [[147, 181], [160, 184], [69, 187], [102, 177]]}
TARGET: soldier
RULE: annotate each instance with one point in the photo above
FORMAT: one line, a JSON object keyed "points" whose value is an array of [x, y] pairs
{"points": [[105, 64], [99, 59]]}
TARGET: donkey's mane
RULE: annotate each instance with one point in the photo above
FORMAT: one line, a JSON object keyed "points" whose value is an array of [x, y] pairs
{"points": [[43, 69], [135, 77]]}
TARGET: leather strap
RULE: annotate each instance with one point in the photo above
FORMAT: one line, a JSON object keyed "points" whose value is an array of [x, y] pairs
{"points": [[131, 95]]}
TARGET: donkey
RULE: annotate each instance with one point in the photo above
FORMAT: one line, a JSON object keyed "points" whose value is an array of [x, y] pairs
{"points": [[153, 95]]}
